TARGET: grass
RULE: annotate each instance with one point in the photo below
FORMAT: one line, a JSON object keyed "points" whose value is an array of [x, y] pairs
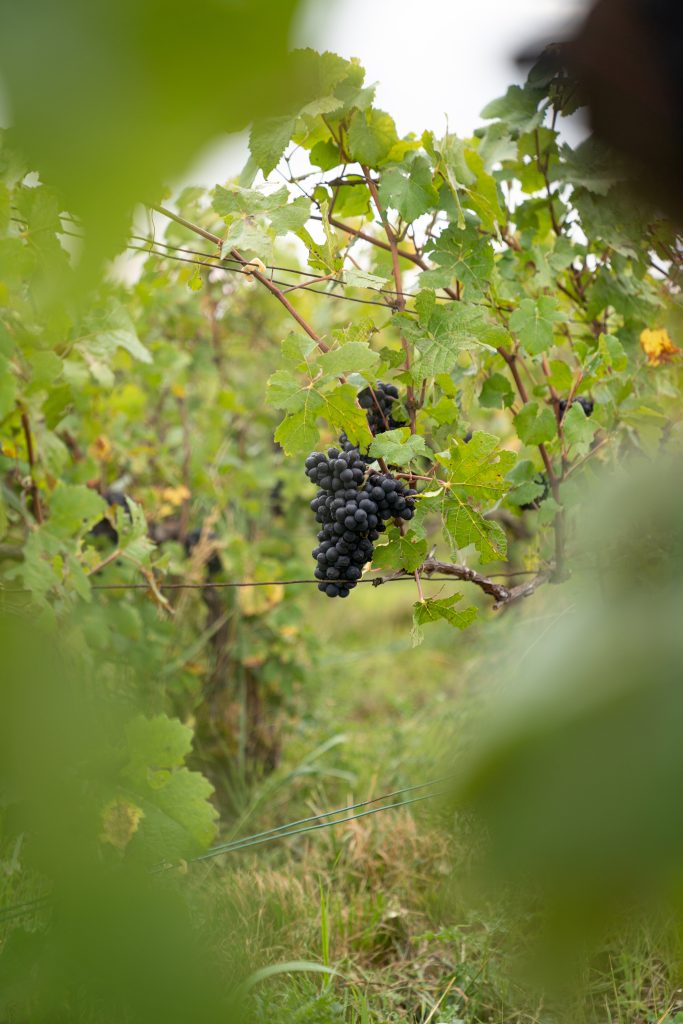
{"points": [[373, 898]]}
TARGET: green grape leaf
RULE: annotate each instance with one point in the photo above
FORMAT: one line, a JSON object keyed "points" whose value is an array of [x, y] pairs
{"points": [[464, 526], [296, 349], [518, 108], [108, 331], [496, 392], [444, 411], [432, 610], [325, 155], [268, 140], [371, 136], [591, 165], [578, 429], [527, 483], [344, 414], [476, 474], [290, 216], [285, 391], [354, 357], [353, 198], [8, 388], [482, 196], [535, 426], [560, 375], [462, 255], [236, 201], [399, 447], [534, 323], [298, 432], [74, 509], [155, 743], [442, 331], [402, 552], [613, 358], [361, 330], [361, 279], [408, 188], [180, 820]]}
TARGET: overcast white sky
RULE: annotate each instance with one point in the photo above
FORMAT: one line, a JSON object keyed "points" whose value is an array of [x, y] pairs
{"points": [[432, 59]]}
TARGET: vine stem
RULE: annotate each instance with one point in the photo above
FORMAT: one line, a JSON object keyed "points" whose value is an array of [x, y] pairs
{"points": [[253, 271], [31, 455], [559, 525], [400, 303]]}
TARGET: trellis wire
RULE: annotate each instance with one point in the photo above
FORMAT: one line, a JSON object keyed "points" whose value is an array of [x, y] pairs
{"points": [[376, 581], [239, 843], [312, 828], [270, 835]]}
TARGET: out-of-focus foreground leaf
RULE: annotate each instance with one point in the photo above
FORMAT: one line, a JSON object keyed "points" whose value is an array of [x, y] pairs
{"points": [[110, 100], [578, 782], [111, 940]]}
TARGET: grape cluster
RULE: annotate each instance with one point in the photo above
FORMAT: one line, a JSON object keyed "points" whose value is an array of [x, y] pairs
{"points": [[587, 404], [352, 512], [378, 403], [531, 506]]}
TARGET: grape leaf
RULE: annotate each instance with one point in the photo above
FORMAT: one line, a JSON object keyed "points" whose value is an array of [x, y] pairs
{"points": [[476, 474], [268, 140], [534, 426], [7, 389], [461, 255], [284, 391], [296, 348], [361, 279], [354, 357], [402, 552], [156, 743], [442, 331], [579, 430], [496, 392], [591, 165], [343, 413], [106, 332], [432, 610], [465, 526], [408, 188], [371, 135], [178, 818], [74, 509], [399, 447], [526, 483], [533, 322], [298, 432], [518, 108]]}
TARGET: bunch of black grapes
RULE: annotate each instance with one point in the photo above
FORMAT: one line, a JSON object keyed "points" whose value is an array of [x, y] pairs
{"points": [[214, 564], [104, 527], [352, 512], [587, 404], [377, 402]]}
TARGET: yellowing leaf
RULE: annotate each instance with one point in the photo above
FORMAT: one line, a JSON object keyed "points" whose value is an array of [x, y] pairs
{"points": [[175, 496], [259, 600], [101, 448], [120, 821], [658, 346]]}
